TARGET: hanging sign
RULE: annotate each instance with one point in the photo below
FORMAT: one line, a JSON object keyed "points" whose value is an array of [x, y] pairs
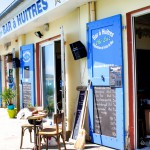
{"points": [[30, 13]]}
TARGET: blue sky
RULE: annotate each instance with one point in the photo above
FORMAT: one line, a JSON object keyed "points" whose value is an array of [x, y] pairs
{"points": [[4, 4]]}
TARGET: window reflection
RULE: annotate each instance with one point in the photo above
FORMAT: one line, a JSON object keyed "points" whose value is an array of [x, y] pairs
{"points": [[48, 78]]}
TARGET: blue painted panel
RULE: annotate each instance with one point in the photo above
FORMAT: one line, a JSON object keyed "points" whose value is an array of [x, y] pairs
{"points": [[104, 47], [27, 75], [104, 52]]}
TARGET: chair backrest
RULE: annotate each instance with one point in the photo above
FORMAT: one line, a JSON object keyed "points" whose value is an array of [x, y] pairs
{"points": [[59, 119]]}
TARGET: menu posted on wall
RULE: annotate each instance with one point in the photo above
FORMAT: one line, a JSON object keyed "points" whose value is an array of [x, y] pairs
{"points": [[115, 76], [26, 93], [105, 111]]}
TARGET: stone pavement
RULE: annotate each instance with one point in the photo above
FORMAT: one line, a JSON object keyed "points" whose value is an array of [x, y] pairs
{"points": [[10, 133]]}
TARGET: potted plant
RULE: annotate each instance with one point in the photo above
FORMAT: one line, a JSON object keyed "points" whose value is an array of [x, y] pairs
{"points": [[50, 108], [8, 96]]}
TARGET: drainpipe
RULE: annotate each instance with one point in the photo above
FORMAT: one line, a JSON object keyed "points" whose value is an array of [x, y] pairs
{"points": [[92, 11]]}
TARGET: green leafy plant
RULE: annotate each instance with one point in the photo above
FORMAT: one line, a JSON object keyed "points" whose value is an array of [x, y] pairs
{"points": [[8, 95], [50, 106]]}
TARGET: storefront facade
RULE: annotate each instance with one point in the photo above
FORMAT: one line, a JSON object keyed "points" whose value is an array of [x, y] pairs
{"points": [[63, 22]]}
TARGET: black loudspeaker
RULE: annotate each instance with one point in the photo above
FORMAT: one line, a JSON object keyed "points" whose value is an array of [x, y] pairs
{"points": [[78, 50], [16, 62]]}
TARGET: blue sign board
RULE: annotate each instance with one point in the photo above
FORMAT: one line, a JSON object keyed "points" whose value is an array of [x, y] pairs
{"points": [[27, 75], [35, 10], [105, 70]]}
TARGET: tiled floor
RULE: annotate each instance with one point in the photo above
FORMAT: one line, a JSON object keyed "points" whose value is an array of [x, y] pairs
{"points": [[88, 146]]}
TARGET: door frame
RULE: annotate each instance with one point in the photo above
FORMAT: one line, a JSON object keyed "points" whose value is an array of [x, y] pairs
{"points": [[37, 62], [131, 74]]}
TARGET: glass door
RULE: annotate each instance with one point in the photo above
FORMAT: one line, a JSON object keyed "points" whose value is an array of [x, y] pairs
{"points": [[48, 75]]}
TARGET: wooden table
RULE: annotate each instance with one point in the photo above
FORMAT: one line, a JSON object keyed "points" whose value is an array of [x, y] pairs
{"points": [[34, 118]]}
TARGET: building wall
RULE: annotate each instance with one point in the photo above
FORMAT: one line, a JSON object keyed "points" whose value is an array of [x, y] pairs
{"points": [[108, 8], [74, 25]]}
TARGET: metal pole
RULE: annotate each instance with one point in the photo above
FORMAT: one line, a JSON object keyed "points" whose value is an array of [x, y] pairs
{"points": [[63, 78]]}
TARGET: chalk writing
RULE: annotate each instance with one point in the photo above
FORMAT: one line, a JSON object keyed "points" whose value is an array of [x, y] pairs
{"points": [[105, 111], [26, 94]]}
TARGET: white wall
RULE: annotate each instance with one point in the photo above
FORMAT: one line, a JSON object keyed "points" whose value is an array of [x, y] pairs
{"points": [[74, 25]]}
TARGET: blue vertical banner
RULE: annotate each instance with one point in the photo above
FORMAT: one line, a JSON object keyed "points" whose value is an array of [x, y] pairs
{"points": [[27, 75], [105, 70]]}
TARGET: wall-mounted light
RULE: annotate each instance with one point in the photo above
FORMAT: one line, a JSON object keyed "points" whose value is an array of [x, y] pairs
{"points": [[38, 34]]}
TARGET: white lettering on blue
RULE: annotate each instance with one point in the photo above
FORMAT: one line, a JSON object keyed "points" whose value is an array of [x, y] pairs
{"points": [[107, 32], [103, 39]]}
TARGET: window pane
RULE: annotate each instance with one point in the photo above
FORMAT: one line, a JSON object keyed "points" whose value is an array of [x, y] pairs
{"points": [[48, 77]]}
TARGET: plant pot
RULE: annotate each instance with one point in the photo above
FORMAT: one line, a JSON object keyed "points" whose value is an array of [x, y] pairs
{"points": [[12, 113], [10, 107]]}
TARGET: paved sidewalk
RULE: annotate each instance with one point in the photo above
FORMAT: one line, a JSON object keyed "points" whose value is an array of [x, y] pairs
{"points": [[10, 133]]}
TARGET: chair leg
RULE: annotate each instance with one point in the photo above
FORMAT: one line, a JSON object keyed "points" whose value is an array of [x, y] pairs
{"points": [[46, 143], [39, 142], [58, 141], [30, 131], [22, 133], [63, 141], [38, 129]]}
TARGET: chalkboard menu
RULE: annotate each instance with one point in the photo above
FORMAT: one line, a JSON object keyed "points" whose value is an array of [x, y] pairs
{"points": [[105, 111], [78, 114], [26, 93]]}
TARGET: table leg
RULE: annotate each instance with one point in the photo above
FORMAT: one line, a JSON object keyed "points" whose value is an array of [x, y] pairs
{"points": [[35, 136]]}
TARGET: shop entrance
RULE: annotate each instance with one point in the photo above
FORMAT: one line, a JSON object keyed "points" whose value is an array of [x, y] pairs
{"points": [[142, 79], [50, 81], [138, 42]]}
